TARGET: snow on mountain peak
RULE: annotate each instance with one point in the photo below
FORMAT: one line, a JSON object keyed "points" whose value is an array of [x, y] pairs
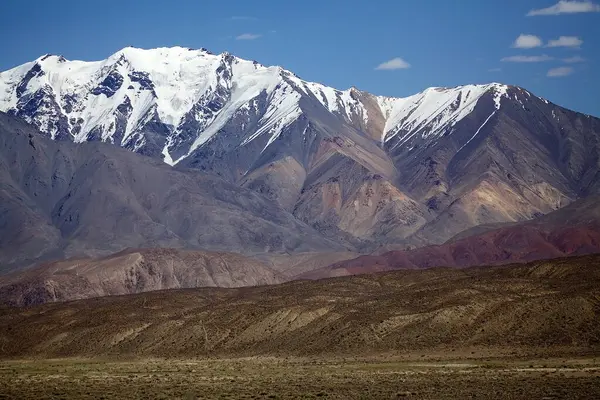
{"points": [[194, 94], [433, 110]]}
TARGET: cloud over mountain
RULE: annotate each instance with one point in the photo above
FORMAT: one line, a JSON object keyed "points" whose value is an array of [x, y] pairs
{"points": [[527, 42], [394, 63], [574, 60], [566, 7], [527, 59], [560, 72], [248, 36], [566, 41]]}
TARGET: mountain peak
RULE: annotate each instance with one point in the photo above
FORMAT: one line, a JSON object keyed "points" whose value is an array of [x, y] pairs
{"points": [[444, 159], [47, 56], [189, 96]]}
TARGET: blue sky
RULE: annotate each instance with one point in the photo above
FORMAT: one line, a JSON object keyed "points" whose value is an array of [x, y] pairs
{"points": [[340, 43]]}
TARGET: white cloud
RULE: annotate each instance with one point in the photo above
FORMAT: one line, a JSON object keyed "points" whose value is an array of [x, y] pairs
{"points": [[248, 36], [527, 59], [566, 41], [574, 60], [560, 72], [495, 70], [527, 42], [394, 63], [567, 7]]}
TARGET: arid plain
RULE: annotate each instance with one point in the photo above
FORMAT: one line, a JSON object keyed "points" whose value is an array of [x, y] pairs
{"points": [[517, 331]]}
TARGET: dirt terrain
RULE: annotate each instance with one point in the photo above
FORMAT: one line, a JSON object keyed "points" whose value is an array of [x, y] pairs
{"points": [[519, 331], [542, 308], [269, 378]]}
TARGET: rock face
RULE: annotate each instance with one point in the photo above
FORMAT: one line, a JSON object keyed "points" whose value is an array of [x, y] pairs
{"points": [[572, 230], [143, 270], [360, 168], [132, 271]]}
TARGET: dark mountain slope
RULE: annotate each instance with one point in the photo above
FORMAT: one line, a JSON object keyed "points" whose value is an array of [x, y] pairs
{"points": [[510, 163], [75, 199]]}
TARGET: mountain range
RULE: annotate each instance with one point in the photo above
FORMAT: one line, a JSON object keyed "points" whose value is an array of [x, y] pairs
{"points": [[235, 156], [571, 231]]}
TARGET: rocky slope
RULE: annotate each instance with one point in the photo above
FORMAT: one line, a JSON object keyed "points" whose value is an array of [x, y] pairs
{"points": [[132, 271], [547, 307], [570, 231], [59, 199], [364, 169]]}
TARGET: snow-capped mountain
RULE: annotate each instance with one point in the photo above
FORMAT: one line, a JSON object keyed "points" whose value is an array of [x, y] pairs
{"points": [[358, 167], [174, 100]]}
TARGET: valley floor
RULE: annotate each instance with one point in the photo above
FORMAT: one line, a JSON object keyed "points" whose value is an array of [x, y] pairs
{"points": [[506, 332], [380, 378]]}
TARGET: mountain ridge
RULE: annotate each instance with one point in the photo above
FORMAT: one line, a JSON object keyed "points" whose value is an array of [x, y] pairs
{"points": [[569, 232], [62, 79], [360, 169]]}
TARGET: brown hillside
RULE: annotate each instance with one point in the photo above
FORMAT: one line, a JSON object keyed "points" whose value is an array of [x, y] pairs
{"points": [[542, 307], [132, 271], [572, 230]]}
